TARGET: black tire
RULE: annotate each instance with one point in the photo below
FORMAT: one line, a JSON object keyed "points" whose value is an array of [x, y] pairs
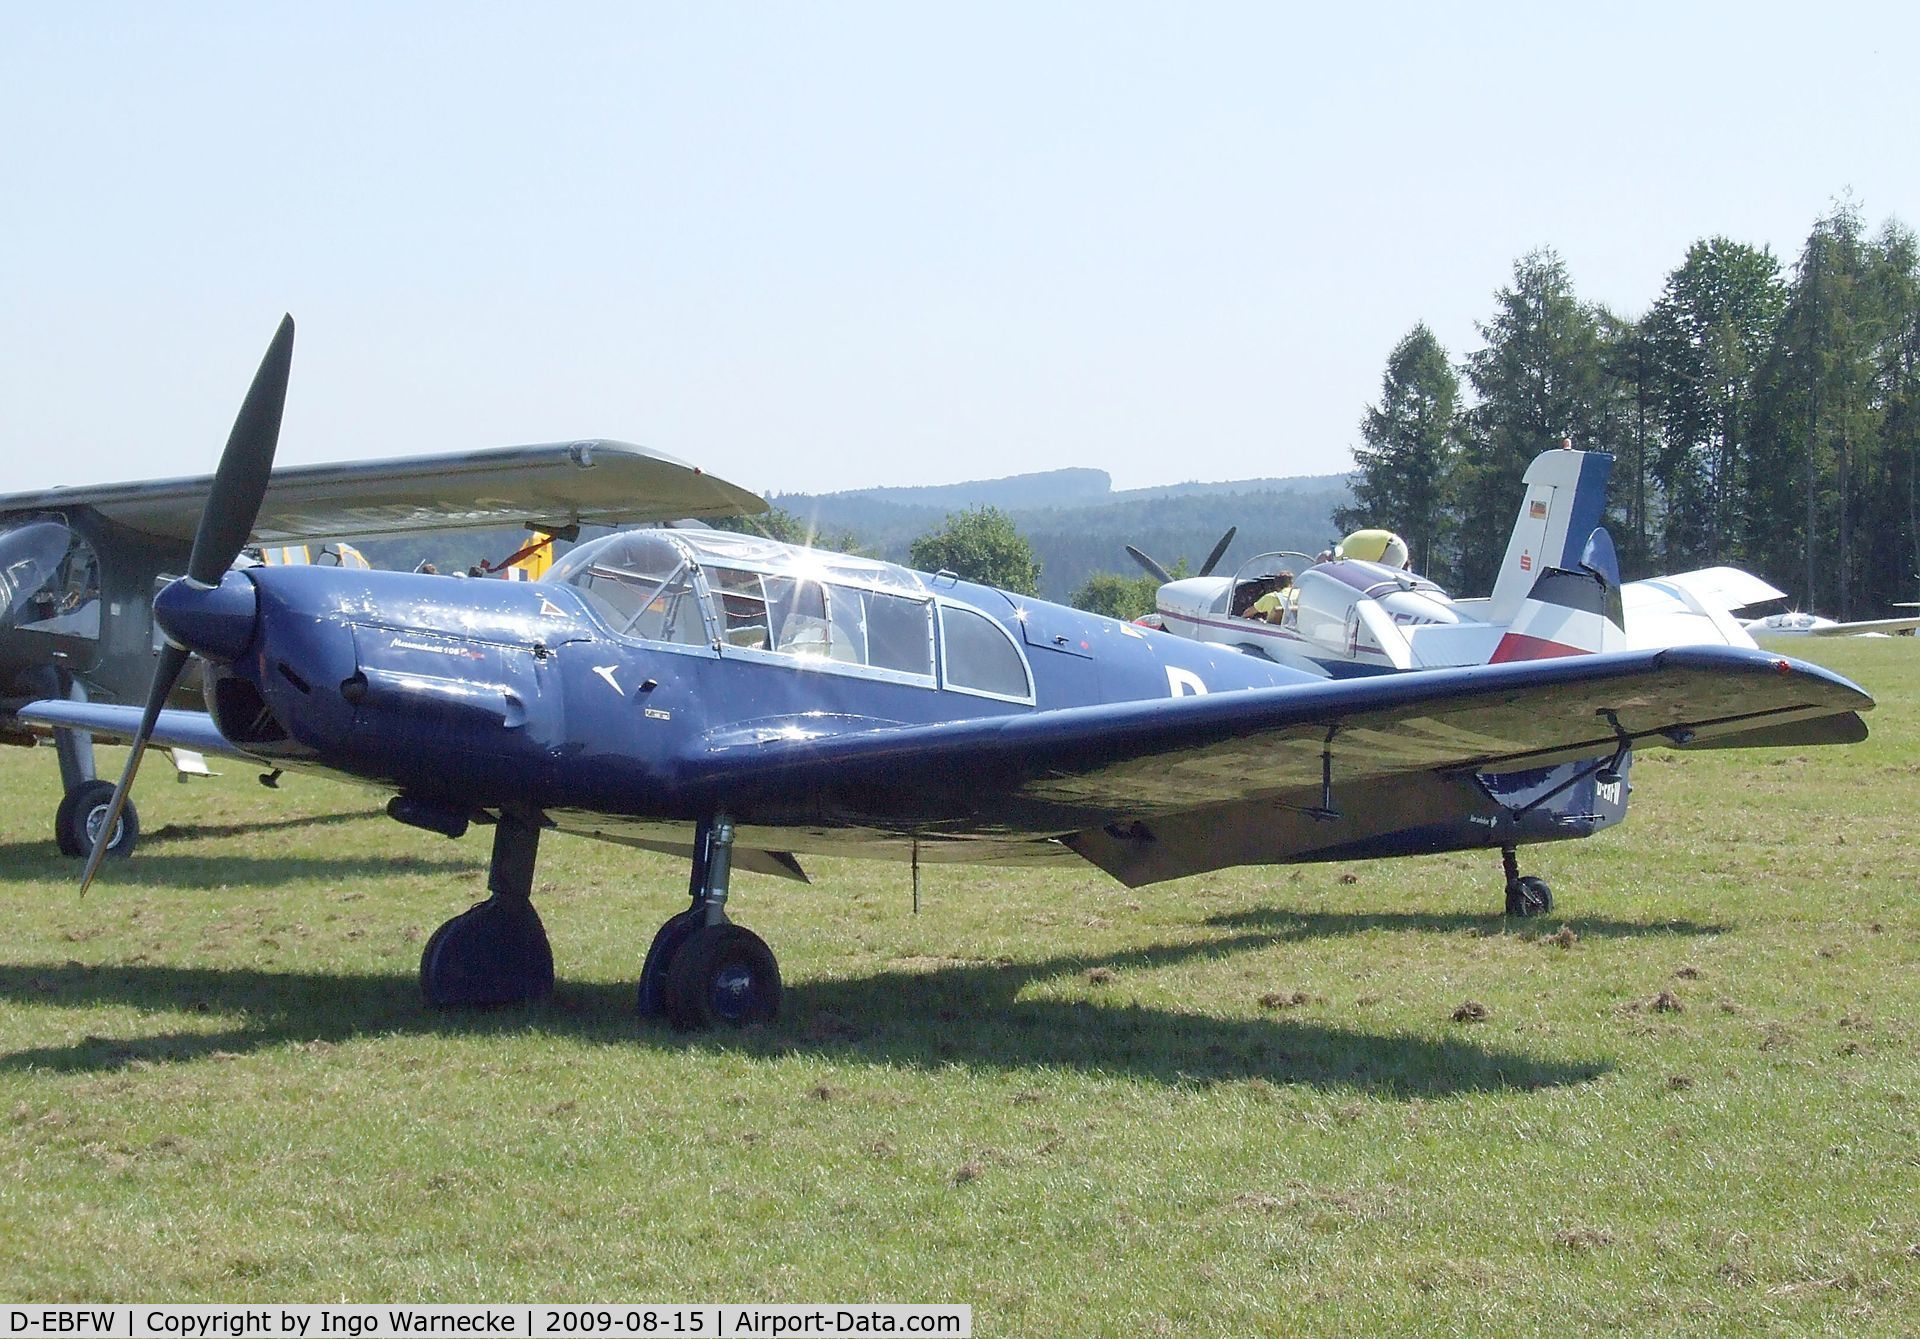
{"points": [[63, 826], [723, 974], [667, 942], [494, 953], [1528, 896], [82, 810]]}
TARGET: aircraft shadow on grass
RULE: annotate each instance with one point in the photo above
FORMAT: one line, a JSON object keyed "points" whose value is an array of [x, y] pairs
{"points": [[180, 832], [1281, 925], [182, 872], [968, 1014]]}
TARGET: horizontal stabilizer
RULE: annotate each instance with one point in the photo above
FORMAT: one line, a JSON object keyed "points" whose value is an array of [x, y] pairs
{"points": [[193, 731]]}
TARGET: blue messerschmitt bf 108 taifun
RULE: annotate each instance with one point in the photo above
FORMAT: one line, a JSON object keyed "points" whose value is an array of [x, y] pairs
{"points": [[744, 703]]}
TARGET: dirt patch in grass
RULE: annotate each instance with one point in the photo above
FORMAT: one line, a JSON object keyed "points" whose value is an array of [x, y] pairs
{"points": [[1471, 1011], [827, 1026]]}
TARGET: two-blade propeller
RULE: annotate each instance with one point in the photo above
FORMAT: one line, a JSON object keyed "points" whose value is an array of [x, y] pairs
{"points": [[239, 487], [1163, 576]]}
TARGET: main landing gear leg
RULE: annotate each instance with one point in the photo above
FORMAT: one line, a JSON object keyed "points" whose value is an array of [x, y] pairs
{"points": [[702, 969], [1527, 895], [85, 798], [496, 951]]}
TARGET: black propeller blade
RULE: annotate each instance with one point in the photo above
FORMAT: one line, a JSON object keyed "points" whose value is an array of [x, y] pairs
{"points": [[1163, 576], [1159, 573], [239, 487], [1219, 551]]}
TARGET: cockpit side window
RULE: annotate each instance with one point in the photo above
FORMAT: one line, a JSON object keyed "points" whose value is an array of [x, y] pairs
{"points": [[56, 594], [671, 613], [740, 600], [898, 630], [640, 584], [980, 656], [798, 612]]}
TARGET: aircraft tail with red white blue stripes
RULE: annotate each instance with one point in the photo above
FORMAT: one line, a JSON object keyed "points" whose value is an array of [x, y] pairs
{"points": [[1558, 592]]}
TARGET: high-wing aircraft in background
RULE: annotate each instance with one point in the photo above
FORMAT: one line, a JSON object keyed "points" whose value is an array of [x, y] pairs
{"points": [[743, 703], [1558, 593], [79, 566]]}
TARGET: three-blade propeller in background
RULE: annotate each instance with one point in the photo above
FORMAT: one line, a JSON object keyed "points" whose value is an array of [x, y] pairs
{"points": [[239, 487], [1163, 576]]}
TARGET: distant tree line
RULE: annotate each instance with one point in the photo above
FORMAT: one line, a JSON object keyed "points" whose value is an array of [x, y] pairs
{"points": [[1766, 420]]}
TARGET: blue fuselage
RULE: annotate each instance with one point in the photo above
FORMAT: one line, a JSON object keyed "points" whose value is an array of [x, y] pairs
{"points": [[474, 695]]}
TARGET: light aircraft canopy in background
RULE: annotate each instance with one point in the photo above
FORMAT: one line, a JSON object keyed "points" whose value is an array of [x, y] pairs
{"points": [[1558, 593]]}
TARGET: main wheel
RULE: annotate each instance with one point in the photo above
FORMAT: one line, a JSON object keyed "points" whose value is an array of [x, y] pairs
{"points": [[82, 813], [1528, 896], [722, 974], [665, 948], [495, 952]]}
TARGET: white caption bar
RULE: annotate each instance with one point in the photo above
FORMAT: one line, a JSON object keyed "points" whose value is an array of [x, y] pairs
{"points": [[705, 1320]]}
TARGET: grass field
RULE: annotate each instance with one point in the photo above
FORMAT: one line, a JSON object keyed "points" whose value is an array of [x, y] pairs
{"points": [[1237, 1104]]}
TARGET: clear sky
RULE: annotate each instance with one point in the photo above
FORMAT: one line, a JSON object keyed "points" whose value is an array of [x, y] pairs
{"points": [[820, 246]]}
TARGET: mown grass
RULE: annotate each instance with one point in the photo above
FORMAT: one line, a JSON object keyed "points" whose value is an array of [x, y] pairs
{"points": [[1237, 1104]]}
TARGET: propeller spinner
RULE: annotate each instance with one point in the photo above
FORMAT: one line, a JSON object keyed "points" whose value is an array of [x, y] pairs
{"points": [[201, 607]]}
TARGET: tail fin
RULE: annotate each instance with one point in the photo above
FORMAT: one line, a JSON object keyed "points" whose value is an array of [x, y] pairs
{"points": [[1566, 499], [1570, 611]]}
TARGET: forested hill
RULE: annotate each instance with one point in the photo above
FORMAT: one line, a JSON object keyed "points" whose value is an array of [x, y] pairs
{"points": [[1078, 524]]}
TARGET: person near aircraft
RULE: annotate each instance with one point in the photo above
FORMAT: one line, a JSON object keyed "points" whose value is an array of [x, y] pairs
{"points": [[1250, 593], [1272, 606]]}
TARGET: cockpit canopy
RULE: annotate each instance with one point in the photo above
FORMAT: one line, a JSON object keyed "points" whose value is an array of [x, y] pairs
{"points": [[49, 580], [754, 596]]}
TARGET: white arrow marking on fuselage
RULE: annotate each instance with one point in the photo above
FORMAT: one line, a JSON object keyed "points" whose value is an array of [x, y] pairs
{"points": [[606, 672]]}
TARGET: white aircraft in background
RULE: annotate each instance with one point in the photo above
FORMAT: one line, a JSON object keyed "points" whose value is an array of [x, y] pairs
{"points": [[1812, 625], [1558, 594]]}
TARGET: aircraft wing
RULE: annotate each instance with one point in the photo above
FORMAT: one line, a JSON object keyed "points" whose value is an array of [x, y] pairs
{"points": [[117, 724], [1156, 789], [1722, 587], [555, 485], [1855, 629]]}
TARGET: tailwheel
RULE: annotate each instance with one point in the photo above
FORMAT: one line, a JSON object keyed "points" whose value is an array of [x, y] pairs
{"points": [[722, 973], [1528, 896], [82, 813]]}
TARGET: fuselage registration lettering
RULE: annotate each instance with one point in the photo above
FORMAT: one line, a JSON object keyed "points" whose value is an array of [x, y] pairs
{"points": [[1184, 683]]}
